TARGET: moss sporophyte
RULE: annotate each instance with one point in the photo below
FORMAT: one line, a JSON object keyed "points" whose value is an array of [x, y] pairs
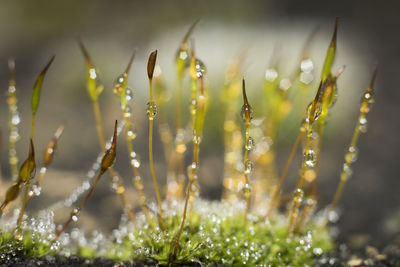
{"points": [[246, 227]]}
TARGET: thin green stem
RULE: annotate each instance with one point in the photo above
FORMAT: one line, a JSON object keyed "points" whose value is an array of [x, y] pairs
{"points": [[246, 174], [99, 124]]}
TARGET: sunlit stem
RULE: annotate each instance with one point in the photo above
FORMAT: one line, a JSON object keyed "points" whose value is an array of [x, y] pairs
{"points": [[344, 175], [320, 132], [79, 208], [99, 124], [33, 125], [22, 210], [277, 190], [13, 128], [153, 172], [246, 175], [307, 148], [193, 102], [135, 170]]}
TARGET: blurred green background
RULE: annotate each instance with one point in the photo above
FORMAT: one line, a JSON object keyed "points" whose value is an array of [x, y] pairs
{"points": [[32, 31]]}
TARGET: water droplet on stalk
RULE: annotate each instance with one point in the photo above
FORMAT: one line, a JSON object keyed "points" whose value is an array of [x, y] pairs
{"points": [[118, 84], [363, 127], [310, 158], [198, 69], [128, 112], [151, 110], [243, 113], [352, 154], [250, 143], [249, 167], [128, 94], [317, 111]]}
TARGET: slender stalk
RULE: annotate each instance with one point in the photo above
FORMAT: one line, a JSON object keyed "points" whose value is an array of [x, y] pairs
{"points": [[246, 174], [151, 112], [247, 116], [99, 124]]}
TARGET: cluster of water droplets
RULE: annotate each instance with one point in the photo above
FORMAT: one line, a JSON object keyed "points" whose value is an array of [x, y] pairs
{"points": [[199, 69]]}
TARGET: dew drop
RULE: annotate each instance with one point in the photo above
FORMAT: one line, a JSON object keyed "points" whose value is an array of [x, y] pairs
{"points": [[250, 144], [196, 139], [135, 162], [271, 75], [245, 109], [128, 112], [363, 126], [317, 111], [151, 110], [298, 195], [347, 170], [183, 54], [75, 214], [131, 133], [352, 154], [310, 158], [248, 167], [199, 69], [15, 120], [118, 84], [285, 84], [128, 94], [306, 65], [36, 190]]}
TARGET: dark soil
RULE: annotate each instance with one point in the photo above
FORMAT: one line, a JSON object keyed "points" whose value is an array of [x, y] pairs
{"points": [[370, 256]]}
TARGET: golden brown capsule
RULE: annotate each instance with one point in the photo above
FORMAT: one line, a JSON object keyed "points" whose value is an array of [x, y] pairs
{"points": [[151, 64], [28, 168], [51, 146], [12, 192], [109, 156], [247, 111]]}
